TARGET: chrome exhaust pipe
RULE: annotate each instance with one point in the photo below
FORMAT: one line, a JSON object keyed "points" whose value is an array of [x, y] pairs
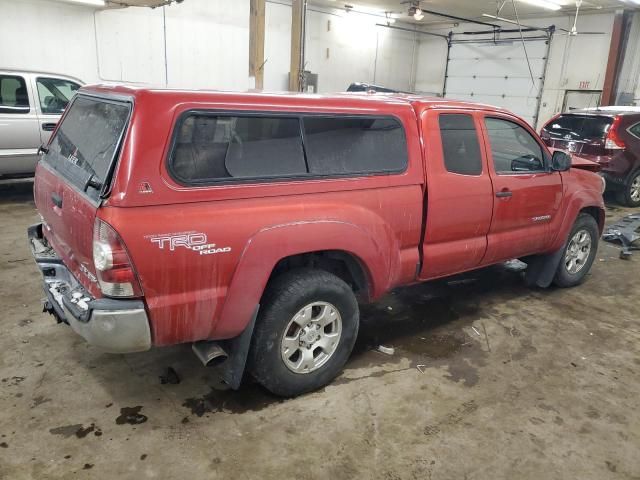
{"points": [[209, 353]]}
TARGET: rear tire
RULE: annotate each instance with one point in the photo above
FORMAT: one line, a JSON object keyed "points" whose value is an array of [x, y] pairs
{"points": [[579, 252], [306, 329], [630, 193]]}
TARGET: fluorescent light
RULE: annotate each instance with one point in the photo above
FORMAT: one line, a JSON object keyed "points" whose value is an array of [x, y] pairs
{"points": [[543, 4], [418, 15], [93, 3]]}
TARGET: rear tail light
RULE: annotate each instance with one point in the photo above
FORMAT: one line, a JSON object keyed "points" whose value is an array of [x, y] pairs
{"points": [[114, 269], [613, 140]]}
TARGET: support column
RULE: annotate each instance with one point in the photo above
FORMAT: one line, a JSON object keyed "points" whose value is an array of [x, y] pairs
{"points": [[613, 64], [298, 17], [256, 42]]}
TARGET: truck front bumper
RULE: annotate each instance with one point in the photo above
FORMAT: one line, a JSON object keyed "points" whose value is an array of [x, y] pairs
{"points": [[115, 326]]}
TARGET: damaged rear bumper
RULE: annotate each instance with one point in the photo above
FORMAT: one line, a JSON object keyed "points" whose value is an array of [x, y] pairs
{"points": [[116, 326]]}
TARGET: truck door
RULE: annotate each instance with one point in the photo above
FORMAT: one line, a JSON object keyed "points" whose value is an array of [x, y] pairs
{"points": [[52, 97], [527, 194], [19, 136], [459, 196]]}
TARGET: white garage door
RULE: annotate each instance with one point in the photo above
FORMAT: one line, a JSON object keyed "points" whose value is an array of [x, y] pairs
{"points": [[497, 74]]}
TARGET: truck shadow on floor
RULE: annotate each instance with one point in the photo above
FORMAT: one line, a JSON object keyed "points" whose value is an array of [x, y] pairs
{"points": [[425, 323], [16, 191], [430, 324]]}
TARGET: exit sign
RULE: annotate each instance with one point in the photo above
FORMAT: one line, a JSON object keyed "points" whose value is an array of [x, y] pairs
{"points": [[584, 84]]}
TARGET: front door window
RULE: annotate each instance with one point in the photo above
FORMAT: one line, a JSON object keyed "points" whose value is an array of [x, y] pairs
{"points": [[54, 94], [514, 149]]}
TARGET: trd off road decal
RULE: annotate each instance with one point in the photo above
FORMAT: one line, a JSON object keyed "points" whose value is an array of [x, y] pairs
{"points": [[195, 241]]}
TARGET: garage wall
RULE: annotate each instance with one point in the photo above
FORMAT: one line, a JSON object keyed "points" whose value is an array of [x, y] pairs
{"points": [[628, 88], [341, 48], [575, 62], [277, 46], [130, 45], [199, 44], [430, 65], [66, 46], [207, 42]]}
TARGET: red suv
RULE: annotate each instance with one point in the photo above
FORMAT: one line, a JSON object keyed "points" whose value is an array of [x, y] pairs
{"points": [[609, 136], [252, 225]]}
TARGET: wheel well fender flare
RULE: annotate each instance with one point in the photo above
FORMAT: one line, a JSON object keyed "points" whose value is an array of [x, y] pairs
{"points": [[266, 248], [582, 201]]}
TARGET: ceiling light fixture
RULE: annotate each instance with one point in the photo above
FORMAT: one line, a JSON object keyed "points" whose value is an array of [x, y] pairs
{"points": [[549, 5], [389, 18], [415, 11]]}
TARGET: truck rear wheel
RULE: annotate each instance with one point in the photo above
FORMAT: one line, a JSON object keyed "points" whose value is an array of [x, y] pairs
{"points": [[630, 193], [306, 329], [579, 252]]}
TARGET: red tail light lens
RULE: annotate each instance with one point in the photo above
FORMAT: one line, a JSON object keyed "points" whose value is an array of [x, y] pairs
{"points": [[114, 269], [613, 140]]}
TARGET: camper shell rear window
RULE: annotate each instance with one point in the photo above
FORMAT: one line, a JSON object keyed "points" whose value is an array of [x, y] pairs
{"points": [[88, 141]]}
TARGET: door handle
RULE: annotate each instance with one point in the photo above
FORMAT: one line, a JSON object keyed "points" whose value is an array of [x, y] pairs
{"points": [[504, 193], [49, 127], [56, 199]]}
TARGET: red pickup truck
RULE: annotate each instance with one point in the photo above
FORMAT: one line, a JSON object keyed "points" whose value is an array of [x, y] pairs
{"points": [[251, 224]]}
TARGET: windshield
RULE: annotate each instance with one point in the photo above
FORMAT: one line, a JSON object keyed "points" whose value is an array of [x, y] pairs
{"points": [[578, 127], [87, 141]]}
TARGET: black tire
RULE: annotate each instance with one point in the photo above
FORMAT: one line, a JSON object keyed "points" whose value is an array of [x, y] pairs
{"points": [[284, 298], [624, 196], [564, 278]]}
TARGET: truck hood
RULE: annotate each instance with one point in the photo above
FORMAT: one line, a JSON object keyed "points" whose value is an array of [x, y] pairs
{"points": [[580, 162]]}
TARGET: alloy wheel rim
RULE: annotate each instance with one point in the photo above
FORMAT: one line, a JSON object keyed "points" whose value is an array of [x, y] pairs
{"points": [[311, 337], [635, 189], [577, 251]]}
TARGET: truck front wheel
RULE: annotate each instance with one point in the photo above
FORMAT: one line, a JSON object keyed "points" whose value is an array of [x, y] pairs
{"points": [[579, 252], [306, 329]]}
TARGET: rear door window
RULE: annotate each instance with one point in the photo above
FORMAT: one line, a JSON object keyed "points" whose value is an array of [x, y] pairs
{"points": [[54, 94], [347, 145], [218, 147], [14, 97], [87, 142], [460, 146], [635, 130], [578, 127]]}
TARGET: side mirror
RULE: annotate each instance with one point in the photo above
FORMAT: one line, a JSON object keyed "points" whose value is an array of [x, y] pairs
{"points": [[560, 161]]}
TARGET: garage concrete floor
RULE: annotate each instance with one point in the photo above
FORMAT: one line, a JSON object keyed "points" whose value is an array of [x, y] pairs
{"points": [[489, 380]]}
